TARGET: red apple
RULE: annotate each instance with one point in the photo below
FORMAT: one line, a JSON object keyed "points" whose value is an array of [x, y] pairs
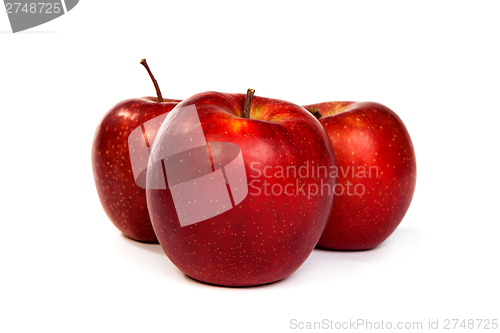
{"points": [[229, 217], [122, 194], [376, 173]]}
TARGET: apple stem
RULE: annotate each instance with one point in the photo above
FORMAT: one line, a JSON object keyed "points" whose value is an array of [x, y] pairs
{"points": [[248, 103], [314, 110], [158, 92]]}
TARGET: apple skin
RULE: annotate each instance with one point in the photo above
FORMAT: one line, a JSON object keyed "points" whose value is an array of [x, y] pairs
{"points": [[122, 199], [367, 136], [265, 238]]}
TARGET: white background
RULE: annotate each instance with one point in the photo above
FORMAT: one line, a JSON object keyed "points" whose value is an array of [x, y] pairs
{"points": [[64, 266]]}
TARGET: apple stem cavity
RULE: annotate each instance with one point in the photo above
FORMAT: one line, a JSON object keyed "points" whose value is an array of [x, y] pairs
{"points": [[248, 103], [314, 110], [158, 92]]}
